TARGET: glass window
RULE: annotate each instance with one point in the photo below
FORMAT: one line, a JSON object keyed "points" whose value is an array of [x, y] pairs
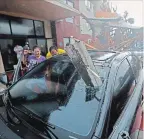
{"points": [[70, 3], [45, 76], [8, 54], [55, 97], [4, 26], [124, 75], [32, 42], [135, 64], [72, 41], [39, 28], [70, 19], [66, 40], [42, 44], [91, 6], [86, 2], [22, 26], [88, 6]]}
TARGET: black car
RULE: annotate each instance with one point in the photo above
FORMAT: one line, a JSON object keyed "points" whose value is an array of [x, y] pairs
{"points": [[52, 101]]}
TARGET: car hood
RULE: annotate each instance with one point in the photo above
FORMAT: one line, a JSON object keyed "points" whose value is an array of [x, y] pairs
{"points": [[10, 131], [77, 115]]}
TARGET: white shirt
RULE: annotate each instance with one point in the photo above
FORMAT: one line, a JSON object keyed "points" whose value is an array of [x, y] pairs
{"points": [[18, 49]]}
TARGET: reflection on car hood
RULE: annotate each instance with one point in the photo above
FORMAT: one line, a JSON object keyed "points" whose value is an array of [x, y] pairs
{"points": [[77, 115]]}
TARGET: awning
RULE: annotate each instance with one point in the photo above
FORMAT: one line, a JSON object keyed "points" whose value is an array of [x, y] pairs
{"points": [[37, 9]]}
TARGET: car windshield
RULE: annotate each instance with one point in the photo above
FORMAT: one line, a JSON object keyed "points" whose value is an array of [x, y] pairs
{"points": [[50, 77], [54, 85]]}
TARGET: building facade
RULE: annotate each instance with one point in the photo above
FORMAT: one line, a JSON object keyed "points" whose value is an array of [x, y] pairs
{"points": [[77, 26], [28, 21]]}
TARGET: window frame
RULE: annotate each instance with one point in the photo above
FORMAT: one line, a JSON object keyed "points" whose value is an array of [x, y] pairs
{"points": [[13, 34], [9, 27], [134, 74], [70, 1], [35, 28], [117, 70]]}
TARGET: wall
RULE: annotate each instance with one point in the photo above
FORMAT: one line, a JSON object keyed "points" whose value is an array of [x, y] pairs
{"points": [[48, 33], [86, 7], [85, 27], [66, 28], [47, 28]]}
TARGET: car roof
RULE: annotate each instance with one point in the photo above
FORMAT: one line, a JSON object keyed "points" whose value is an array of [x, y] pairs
{"points": [[105, 57]]}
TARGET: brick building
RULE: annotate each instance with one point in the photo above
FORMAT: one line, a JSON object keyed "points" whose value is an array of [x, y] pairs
{"points": [[77, 26]]}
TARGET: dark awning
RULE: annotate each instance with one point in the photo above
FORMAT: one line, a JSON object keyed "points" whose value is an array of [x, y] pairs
{"points": [[37, 9]]}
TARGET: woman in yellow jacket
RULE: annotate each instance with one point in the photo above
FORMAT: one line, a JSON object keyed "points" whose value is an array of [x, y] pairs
{"points": [[54, 51]]}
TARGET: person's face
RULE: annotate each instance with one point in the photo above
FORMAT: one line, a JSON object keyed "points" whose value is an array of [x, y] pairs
{"points": [[54, 52], [37, 52], [25, 52]]}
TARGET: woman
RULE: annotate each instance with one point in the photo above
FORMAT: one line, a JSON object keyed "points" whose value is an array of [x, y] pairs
{"points": [[36, 58]]}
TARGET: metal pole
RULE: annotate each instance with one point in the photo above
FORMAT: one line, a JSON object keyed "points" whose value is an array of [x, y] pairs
{"points": [[83, 62]]}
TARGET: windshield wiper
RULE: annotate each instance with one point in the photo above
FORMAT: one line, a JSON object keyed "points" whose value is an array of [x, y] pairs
{"points": [[16, 119], [47, 130], [34, 117]]}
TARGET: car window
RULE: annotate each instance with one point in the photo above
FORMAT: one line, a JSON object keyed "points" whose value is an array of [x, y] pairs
{"points": [[73, 97], [135, 65], [123, 76], [76, 113], [50, 77]]}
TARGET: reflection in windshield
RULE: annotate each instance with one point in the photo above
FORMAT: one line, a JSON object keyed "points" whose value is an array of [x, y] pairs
{"points": [[80, 111], [54, 90], [50, 77]]}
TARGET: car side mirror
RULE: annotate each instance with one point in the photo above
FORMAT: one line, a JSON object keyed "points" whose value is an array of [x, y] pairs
{"points": [[3, 79]]}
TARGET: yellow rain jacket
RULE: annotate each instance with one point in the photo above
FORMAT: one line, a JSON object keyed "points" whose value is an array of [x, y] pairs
{"points": [[60, 51]]}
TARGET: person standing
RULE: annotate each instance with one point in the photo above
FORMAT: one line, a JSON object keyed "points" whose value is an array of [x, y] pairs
{"points": [[25, 58], [18, 50], [53, 50], [36, 58]]}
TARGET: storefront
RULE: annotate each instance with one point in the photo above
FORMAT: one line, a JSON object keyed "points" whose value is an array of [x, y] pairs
{"points": [[17, 31], [24, 21]]}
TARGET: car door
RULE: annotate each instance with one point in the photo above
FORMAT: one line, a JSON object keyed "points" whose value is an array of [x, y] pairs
{"points": [[135, 64], [123, 125], [124, 80], [17, 73]]}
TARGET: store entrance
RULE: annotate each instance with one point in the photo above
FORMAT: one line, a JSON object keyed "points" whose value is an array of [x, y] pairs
{"points": [[7, 51], [9, 57], [19, 41]]}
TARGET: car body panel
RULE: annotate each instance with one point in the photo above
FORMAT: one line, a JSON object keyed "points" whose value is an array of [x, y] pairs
{"points": [[74, 114], [125, 120], [137, 131]]}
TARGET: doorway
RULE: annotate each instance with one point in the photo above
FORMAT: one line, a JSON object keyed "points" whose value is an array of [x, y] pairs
{"points": [[19, 41], [7, 51]]}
